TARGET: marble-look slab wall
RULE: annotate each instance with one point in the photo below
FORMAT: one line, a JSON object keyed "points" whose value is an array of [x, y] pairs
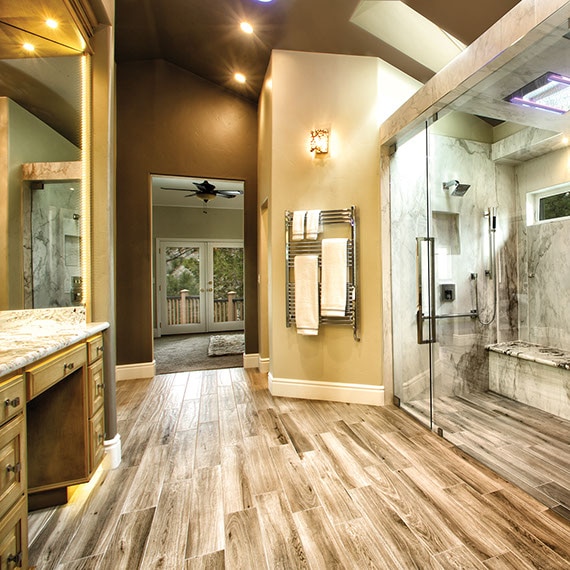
{"points": [[55, 242], [543, 256]]}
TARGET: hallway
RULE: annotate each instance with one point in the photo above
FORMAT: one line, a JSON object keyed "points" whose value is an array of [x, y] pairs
{"points": [[217, 473]]}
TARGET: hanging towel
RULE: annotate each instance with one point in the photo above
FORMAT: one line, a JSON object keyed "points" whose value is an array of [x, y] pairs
{"points": [[298, 225], [333, 278], [307, 294], [312, 224]]}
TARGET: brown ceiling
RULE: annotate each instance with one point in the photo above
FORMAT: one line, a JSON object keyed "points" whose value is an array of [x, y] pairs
{"points": [[203, 36]]}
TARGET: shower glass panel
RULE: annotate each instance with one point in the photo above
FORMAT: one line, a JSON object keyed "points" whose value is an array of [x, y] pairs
{"points": [[55, 244], [411, 247]]}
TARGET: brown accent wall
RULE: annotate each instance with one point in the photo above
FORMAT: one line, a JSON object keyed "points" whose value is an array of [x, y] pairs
{"points": [[170, 121]]}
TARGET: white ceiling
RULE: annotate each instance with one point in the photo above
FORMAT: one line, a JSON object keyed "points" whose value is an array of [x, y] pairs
{"points": [[176, 198]]}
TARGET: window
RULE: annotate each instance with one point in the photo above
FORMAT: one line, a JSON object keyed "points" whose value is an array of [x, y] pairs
{"points": [[549, 204]]}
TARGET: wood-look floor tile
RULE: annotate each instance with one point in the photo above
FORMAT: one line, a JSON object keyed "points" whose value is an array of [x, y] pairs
{"points": [[406, 549], [273, 428], [127, 545], [459, 557], [90, 563], [209, 408], [296, 434], [329, 488], [244, 547], [212, 561], [260, 467], [147, 483], [280, 535], [471, 530], [181, 455], [193, 385], [297, 486], [207, 445], [249, 420], [320, 540], [507, 561], [168, 532], [188, 418], [361, 546], [224, 377], [343, 460], [206, 520], [236, 486]]}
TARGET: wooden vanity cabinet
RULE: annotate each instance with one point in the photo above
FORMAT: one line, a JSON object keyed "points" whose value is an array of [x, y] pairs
{"points": [[13, 505], [65, 421], [96, 398]]}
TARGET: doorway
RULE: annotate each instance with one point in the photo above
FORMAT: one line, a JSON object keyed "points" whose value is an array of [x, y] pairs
{"points": [[200, 286]]}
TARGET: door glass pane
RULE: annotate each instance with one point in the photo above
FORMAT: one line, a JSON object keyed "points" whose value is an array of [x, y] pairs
{"points": [[182, 285], [227, 284], [409, 220]]}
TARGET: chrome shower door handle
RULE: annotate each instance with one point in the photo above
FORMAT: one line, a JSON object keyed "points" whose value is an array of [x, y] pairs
{"points": [[420, 317]]}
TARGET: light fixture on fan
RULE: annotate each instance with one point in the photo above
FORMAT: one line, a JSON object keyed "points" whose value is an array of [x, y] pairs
{"points": [[206, 192]]}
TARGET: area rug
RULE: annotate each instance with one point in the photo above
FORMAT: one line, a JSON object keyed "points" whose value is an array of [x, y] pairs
{"points": [[223, 344], [182, 353]]}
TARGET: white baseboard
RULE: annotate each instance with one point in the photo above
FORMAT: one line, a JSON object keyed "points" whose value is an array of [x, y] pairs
{"points": [[263, 364], [332, 391], [112, 457], [251, 360], [134, 371]]}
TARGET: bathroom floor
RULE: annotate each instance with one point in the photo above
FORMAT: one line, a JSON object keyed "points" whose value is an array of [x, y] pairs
{"points": [[526, 446]]}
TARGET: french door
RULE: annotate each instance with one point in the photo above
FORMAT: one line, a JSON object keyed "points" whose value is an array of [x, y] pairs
{"points": [[200, 286]]}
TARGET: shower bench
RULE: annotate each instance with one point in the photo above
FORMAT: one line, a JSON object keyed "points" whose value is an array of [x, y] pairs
{"points": [[532, 374]]}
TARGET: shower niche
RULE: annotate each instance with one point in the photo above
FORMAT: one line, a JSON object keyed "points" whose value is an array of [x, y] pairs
{"points": [[51, 234]]}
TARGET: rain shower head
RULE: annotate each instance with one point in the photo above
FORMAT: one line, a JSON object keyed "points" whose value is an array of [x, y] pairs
{"points": [[457, 189]]}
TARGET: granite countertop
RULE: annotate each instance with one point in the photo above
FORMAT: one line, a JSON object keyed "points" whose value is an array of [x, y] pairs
{"points": [[546, 355], [28, 336]]}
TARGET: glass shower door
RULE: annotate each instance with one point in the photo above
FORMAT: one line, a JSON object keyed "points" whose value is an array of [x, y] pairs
{"points": [[412, 264]]}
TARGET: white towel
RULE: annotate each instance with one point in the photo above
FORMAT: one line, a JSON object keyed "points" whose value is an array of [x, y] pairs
{"points": [[307, 294], [312, 224], [333, 277], [298, 225]]}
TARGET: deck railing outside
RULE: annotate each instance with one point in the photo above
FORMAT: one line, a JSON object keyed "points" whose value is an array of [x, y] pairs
{"points": [[184, 309]]}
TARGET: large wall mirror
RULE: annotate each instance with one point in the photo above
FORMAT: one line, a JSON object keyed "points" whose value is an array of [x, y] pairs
{"points": [[43, 134]]}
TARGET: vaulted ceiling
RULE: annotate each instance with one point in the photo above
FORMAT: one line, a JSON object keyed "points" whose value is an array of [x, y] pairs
{"points": [[203, 36]]}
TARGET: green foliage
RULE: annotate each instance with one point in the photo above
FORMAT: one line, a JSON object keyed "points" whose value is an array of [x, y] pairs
{"points": [[228, 271], [182, 270]]}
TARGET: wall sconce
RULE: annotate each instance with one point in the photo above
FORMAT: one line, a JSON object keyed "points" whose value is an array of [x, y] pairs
{"points": [[319, 141]]}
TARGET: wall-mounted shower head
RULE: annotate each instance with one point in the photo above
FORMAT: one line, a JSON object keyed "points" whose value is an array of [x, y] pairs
{"points": [[457, 189]]}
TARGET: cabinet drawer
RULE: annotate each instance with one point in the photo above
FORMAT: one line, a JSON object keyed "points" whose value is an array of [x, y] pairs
{"points": [[94, 348], [12, 397], [14, 538], [12, 462], [52, 370], [96, 387], [97, 438]]}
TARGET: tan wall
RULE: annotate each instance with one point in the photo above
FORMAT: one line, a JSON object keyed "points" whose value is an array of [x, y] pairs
{"points": [[264, 161], [192, 223], [171, 122], [339, 92]]}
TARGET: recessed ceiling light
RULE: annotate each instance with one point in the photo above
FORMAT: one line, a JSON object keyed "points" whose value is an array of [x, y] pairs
{"points": [[265, 0], [51, 23], [239, 77], [246, 27], [28, 47]]}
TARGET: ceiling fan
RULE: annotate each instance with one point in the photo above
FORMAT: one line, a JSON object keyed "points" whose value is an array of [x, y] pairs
{"points": [[206, 191]]}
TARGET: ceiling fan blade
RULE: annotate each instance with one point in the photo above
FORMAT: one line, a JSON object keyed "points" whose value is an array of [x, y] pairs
{"points": [[179, 189], [226, 195], [229, 193], [193, 194]]}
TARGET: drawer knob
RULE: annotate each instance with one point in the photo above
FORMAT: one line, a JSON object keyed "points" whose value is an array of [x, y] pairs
{"points": [[14, 468], [101, 438], [12, 403], [16, 559], [99, 349], [100, 387], [68, 366]]}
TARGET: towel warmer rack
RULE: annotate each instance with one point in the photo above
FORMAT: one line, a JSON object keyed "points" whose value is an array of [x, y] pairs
{"points": [[314, 247]]}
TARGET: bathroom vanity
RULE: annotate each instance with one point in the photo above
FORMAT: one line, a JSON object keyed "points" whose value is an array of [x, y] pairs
{"points": [[52, 426]]}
